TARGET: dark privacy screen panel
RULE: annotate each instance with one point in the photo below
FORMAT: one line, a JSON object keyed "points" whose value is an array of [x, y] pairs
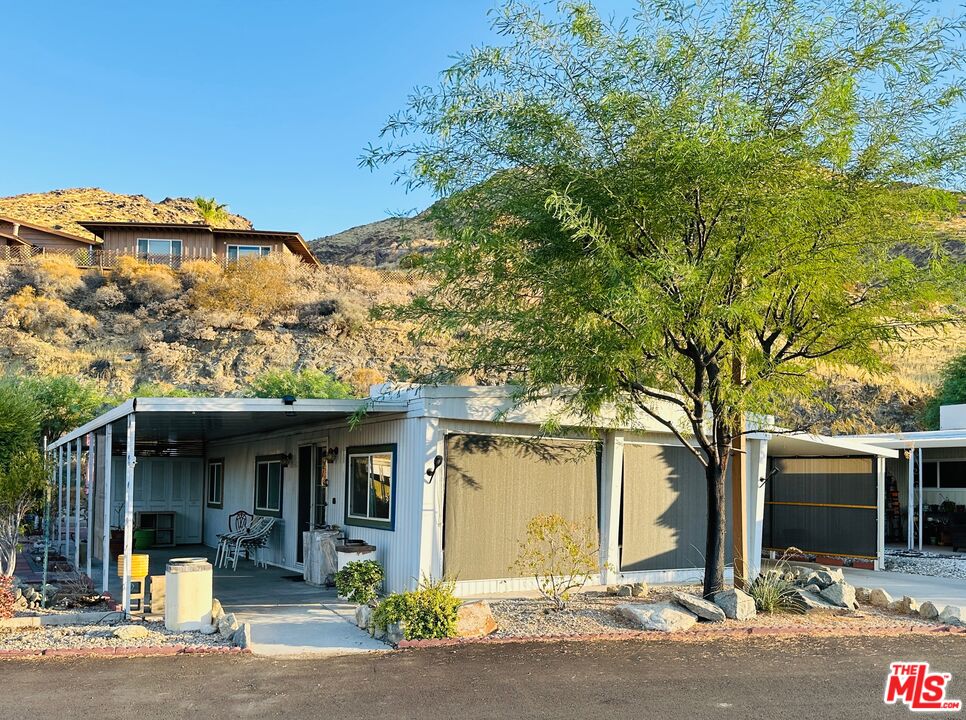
{"points": [[664, 517], [495, 485], [822, 505]]}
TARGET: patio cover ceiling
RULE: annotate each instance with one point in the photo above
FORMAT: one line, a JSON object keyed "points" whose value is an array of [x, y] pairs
{"points": [[181, 426], [808, 445]]}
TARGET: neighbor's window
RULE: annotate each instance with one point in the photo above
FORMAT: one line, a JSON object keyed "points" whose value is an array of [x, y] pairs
{"points": [[240, 251], [216, 483], [152, 246], [268, 487], [369, 484]]}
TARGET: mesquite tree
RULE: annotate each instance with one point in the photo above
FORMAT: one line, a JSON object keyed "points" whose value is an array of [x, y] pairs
{"points": [[22, 473], [635, 209]]}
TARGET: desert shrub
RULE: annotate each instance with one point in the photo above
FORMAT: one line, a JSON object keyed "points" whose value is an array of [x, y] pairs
{"points": [[6, 597], [359, 581], [259, 287], [560, 554], [55, 275], [302, 384], [160, 389], [361, 379], [145, 283], [41, 315], [198, 272], [773, 592], [349, 318], [108, 296], [428, 612]]}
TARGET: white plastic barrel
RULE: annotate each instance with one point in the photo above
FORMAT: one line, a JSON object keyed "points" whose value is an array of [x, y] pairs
{"points": [[188, 594]]}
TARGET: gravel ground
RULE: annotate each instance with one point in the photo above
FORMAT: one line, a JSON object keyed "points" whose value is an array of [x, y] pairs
{"points": [[593, 613], [948, 565], [91, 636]]}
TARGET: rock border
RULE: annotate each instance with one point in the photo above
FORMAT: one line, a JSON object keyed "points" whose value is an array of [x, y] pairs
{"points": [[697, 633], [125, 652]]}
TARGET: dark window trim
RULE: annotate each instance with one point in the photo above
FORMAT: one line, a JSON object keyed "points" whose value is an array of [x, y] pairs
{"points": [[371, 450], [208, 502], [259, 459]]}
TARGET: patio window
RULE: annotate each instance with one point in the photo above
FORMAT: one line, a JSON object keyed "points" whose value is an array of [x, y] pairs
{"points": [[148, 247], [240, 251], [369, 486], [268, 487], [216, 483]]}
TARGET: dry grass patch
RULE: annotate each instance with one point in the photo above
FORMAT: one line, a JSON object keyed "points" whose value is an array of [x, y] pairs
{"points": [[145, 283], [55, 275]]}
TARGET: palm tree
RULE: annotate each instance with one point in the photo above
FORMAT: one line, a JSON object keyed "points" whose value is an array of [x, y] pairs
{"points": [[211, 210]]}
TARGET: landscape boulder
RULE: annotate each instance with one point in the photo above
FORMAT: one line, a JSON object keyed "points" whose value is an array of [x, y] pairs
{"points": [[227, 625], [208, 629], [880, 598], [953, 615], [812, 602], [625, 591], [704, 609], [842, 594], [928, 611], [475, 619], [363, 616], [243, 636], [396, 632], [639, 589], [217, 611], [736, 604], [663, 617], [862, 594], [907, 605], [828, 576], [131, 632]]}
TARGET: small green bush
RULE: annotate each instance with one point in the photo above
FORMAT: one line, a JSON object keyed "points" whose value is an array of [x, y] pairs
{"points": [[305, 383], [428, 612], [359, 581]]}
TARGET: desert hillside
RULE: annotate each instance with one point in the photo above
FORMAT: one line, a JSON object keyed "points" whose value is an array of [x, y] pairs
{"points": [[211, 334], [62, 209]]}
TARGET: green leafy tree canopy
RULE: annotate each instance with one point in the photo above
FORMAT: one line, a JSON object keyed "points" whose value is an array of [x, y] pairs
{"points": [[952, 391], [302, 384], [682, 214]]}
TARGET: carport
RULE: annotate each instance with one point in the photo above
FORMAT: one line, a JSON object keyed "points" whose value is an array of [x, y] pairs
{"points": [[169, 437]]}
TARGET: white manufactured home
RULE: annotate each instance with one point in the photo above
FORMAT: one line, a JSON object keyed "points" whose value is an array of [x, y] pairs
{"points": [[442, 480]]}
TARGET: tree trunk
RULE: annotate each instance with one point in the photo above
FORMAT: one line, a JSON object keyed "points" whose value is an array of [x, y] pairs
{"points": [[714, 561], [8, 544]]}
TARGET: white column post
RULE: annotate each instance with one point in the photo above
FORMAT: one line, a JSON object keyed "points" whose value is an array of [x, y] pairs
{"points": [[911, 481], [67, 473], [611, 486], [91, 455], [60, 498], [755, 473], [920, 499], [128, 515], [77, 499], [880, 471], [431, 525], [106, 526]]}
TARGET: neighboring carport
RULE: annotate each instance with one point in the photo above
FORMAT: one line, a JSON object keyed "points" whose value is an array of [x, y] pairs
{"points": [[823, 496]]}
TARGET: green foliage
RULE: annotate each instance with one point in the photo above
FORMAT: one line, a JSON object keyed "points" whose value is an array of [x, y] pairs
{"points": [[302, 384], [63, 402], [427, 612], [772, 592], [20, 418], [359, 581], [560, 554], [213, 212], [701, 187], [952, 391]]}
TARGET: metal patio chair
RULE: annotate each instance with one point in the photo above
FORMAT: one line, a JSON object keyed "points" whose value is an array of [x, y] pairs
{"points": [[251, 541], [226, 541]]}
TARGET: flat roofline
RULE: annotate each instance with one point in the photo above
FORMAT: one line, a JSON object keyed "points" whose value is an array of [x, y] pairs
{"points": [[838, 442], [194, 406], [919, 439], [52, 231]]}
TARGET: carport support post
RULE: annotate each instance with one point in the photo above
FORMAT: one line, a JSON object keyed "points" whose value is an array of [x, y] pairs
{"points": [[920, 499], [106, 525], [911, 481], [739, 510], [128, 515], [757, 452], [611, 486], [67, 473], [880, 469], [77, 502], [60, 493], [91, 455]]}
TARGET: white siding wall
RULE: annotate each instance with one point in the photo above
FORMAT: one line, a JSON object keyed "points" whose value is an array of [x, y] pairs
{"points": [[397, 550]]}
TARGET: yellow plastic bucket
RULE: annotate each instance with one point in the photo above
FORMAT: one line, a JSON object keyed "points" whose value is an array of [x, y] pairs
{"points": [[139, 565]]}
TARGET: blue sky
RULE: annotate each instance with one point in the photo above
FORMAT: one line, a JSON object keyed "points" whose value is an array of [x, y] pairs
{"points": [[264, 105]]}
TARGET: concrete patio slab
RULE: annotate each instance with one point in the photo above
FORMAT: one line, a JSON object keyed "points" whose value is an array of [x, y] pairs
{"points": [[940, 591], [288, 617]]}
